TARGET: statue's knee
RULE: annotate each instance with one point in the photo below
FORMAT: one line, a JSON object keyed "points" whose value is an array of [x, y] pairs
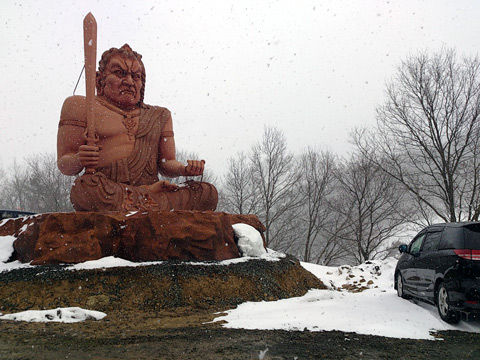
{"points": [[94, 192], [203, 196], [210, 196]]}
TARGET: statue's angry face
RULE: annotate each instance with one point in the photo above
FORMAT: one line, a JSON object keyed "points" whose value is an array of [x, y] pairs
{"points": [[122, 81], [121, 77]]}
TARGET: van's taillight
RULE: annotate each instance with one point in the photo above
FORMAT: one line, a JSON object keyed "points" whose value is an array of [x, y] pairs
{"points": [[468, 254]]}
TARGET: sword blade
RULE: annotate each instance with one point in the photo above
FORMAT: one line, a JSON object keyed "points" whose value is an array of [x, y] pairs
{"points": [[90, 51]]}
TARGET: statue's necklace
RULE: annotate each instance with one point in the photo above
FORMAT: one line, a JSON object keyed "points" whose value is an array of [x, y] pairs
{"points": [[128, 119]]}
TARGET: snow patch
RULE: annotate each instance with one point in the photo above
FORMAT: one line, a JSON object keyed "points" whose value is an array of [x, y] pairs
{"points": [[65, 315], [373, 274], [23, 228], [250, 241], [109, 262], [6, 248], [14, 265]]}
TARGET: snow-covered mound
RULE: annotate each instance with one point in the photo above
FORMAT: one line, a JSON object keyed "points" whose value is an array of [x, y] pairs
{"points": [[361, 299], [66, 315], [369, 275]]}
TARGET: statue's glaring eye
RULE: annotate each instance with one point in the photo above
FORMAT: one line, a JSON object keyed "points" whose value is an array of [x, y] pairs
{"points": [[120, 73]]}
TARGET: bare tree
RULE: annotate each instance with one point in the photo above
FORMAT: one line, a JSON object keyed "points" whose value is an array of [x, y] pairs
{"points": [[37, 185], [275, 177], [427, 134], [371, 207], [238, 191], [2, 187], [14, 190], [48, 190], [331, 250], [315, 188]]}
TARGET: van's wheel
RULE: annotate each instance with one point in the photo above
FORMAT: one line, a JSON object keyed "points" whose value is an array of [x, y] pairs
{"points": [[400, 290], [446, 313]]}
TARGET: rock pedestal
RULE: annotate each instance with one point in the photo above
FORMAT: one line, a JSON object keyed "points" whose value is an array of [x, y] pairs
{"points": [[140, 236]]}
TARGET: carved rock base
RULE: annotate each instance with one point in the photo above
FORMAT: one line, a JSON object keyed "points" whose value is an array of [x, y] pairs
{"points": [[141, 236]]}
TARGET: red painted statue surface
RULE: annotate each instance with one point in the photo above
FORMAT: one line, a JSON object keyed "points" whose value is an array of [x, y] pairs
{"points": [[134, 143]]}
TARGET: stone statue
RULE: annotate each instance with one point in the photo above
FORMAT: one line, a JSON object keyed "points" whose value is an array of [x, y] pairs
{"points": [[122, 144], [134, 142]]}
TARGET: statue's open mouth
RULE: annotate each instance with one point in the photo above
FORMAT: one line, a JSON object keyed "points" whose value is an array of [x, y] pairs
{"points": [[130, 92]]}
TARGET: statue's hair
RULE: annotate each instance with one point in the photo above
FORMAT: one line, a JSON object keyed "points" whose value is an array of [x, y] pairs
{"points": [[125, 51]]}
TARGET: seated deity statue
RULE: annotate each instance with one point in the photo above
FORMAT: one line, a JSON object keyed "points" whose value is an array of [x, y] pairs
{"points": [[134, 143]]}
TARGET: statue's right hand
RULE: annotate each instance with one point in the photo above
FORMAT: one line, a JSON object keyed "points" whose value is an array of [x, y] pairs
{"points": [[88, 155]]}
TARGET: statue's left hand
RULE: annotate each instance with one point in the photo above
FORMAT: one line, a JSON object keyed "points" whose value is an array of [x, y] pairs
{"points": [[161, 186], [167, 186], [194, 167]]}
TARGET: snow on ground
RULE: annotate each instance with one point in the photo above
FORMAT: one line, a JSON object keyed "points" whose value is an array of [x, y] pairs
{"points": [[111, 261], [375, 311], [370, 275], [66, 315]]}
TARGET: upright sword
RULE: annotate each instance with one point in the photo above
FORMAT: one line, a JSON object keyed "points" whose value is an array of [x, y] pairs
{"points": [[90, 50]]}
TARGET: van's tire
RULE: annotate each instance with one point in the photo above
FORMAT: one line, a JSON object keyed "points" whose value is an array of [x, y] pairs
{"points": [[444, 310], [400, 287]]}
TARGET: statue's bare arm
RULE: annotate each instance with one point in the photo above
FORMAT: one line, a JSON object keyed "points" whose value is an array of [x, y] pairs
{"points": [[73, 155], [168, 165]]}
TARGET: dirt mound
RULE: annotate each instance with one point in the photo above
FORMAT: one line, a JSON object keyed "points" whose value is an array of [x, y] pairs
{"points": [[154, 287]]}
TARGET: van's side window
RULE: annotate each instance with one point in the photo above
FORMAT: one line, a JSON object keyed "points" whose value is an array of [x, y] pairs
{"points": [[432, 241]]}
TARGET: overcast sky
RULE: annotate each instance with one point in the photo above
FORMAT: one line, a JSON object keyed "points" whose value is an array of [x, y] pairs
{"points": [[226, 69]]}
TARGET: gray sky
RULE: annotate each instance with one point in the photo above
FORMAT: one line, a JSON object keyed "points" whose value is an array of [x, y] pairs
{"points": [[314, 69]]}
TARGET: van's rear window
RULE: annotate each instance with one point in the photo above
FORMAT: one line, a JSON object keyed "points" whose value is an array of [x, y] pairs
{"points": [[472, 237]]}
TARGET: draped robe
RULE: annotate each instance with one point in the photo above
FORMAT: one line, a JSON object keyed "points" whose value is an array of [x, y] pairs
{"points": [[121, 184]]}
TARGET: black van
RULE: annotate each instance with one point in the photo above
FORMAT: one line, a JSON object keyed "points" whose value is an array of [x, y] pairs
{"points": [[7, 214], [441, 265]]}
